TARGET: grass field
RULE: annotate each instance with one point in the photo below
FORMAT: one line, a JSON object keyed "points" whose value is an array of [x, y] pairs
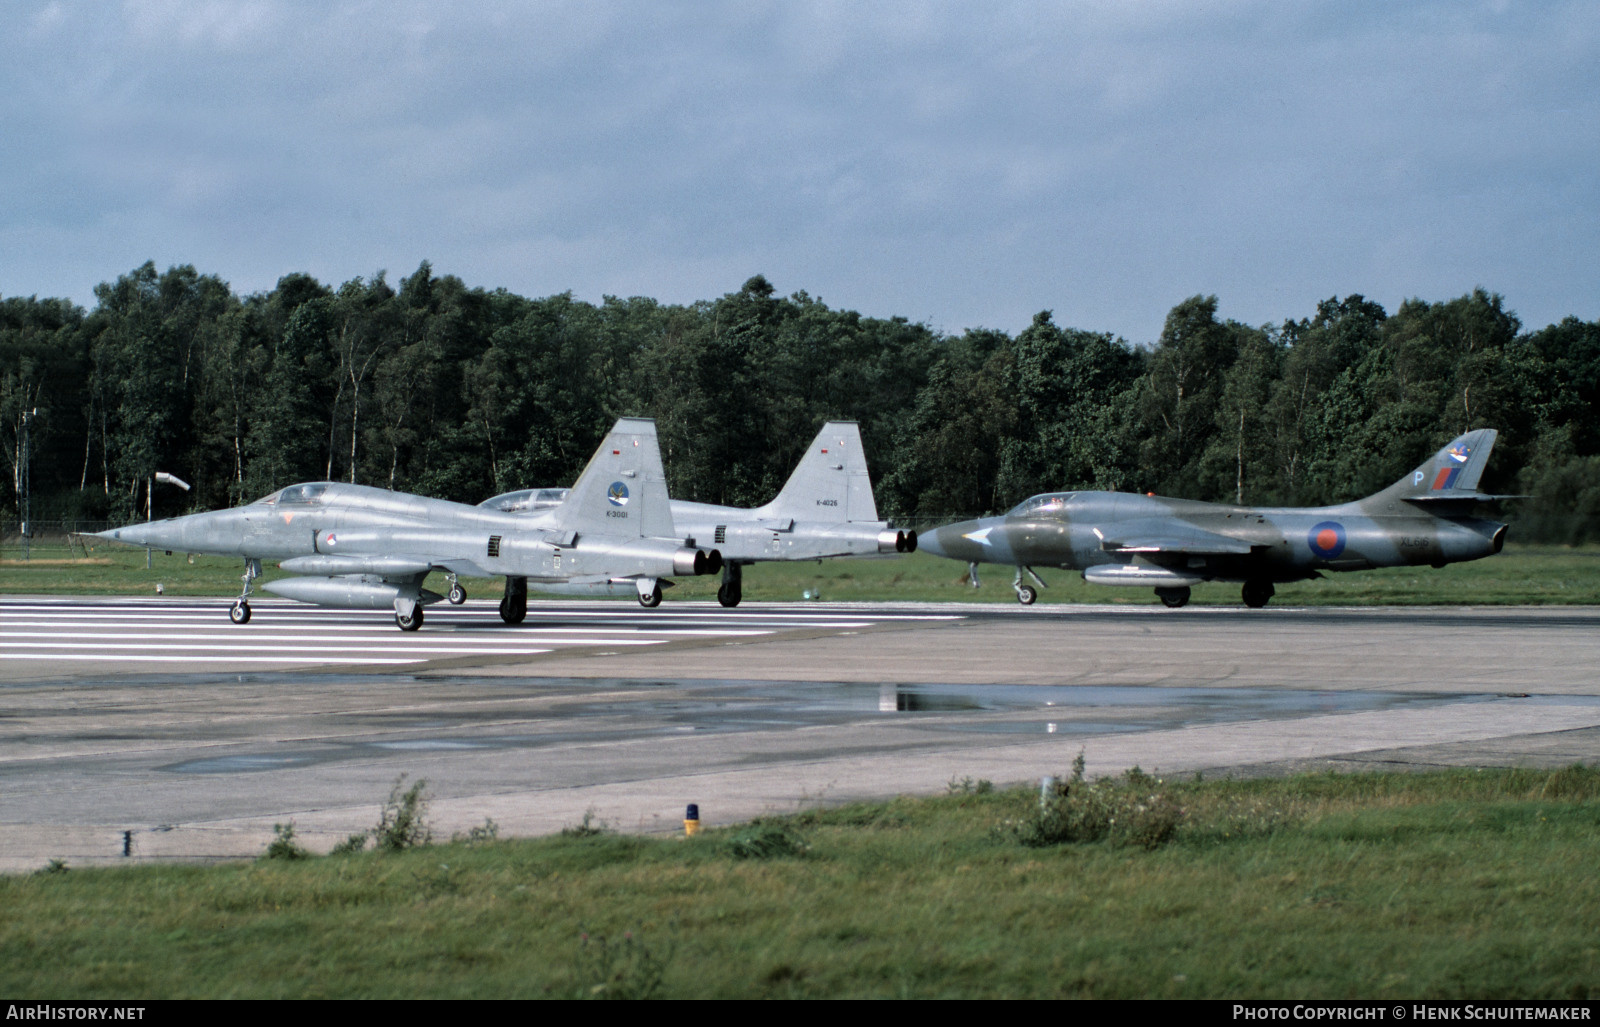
{"points": [[1520, 575], [1452, 884]]}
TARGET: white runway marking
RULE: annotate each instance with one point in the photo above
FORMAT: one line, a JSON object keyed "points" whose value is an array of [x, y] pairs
{"points": [[183, 632]]}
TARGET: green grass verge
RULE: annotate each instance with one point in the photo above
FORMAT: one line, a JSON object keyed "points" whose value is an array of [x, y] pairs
{"points": [[1452, 884], [1519, 576]]}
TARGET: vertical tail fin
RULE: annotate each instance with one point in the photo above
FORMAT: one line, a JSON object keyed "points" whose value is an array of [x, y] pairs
{"points": [[1450, 474], [623, 490], [830, 483]]}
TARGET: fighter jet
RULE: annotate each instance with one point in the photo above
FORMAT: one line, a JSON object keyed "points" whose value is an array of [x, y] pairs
{"points": [[1173, 544], [825, 509], [365, 548]]}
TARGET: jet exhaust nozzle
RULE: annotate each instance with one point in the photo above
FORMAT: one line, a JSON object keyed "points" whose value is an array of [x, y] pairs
{"points": [[697, 561]]}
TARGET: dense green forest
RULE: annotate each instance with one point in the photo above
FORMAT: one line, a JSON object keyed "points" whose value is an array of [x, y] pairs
{"points": [[437, 388]]}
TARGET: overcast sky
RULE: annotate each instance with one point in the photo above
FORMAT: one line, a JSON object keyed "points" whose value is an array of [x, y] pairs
{"points": [[960, 164]]}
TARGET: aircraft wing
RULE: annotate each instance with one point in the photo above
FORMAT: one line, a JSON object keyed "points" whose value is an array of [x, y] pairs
{"points": [[1168, 535]]}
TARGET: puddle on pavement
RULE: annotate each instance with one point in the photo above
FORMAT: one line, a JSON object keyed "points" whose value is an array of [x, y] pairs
{"points": [[587, 710]]}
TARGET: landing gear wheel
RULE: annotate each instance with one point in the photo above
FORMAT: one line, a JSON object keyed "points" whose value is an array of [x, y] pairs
{"points": [[1256, 593], [410, 623], [458, 595], [1026, 594], [1173, 597], [514, 605], [239, 612], [513, 611], [651, 599], [729, 595]]}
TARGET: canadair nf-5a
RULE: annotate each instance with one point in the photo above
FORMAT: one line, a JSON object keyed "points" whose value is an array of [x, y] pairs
{"points": [[365, 548], [1173, 544], [825, 509]]}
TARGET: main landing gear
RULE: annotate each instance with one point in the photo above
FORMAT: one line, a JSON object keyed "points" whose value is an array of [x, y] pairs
{"points": [[652, 598], [1026, 594], [1256, 593], [408, 621], [514, 607], [731, 591], [1173, 597], [239, 612]]}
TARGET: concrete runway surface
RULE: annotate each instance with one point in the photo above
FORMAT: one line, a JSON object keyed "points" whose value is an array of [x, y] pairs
{"points": [[156, 728]]}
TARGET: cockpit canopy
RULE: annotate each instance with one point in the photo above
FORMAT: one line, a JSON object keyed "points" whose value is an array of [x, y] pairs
{"points": [[309, 494], [1044, 505], [526, 500]]}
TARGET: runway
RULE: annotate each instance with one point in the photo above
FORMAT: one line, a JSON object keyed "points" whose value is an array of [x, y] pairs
{"points": [[159, 729], [73, 637]]}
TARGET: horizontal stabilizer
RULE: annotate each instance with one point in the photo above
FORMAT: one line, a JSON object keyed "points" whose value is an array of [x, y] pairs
{"points": [[1459, 496]]}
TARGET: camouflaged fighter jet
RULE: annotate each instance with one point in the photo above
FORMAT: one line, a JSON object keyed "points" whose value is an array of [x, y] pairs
{"points": [[1172, 544], [825, 509], [365, 548]]}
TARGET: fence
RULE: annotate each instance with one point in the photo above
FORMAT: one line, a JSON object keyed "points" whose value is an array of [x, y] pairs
{"points": [[65, 534]]}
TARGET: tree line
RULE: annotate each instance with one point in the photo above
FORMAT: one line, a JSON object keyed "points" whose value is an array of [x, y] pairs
{"points": [[432, 387]]}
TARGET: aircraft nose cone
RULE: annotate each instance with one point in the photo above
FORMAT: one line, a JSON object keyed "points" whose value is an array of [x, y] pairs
{"points": [[952, 541], [932, 542]]}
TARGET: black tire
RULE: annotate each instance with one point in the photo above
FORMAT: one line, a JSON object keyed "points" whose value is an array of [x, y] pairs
{"points": [[239, 612], [410, 623], [1172, 598], [1026, 594], [728, 596], [652, 599], [1256, 593], [513, 612], [458, 595]]}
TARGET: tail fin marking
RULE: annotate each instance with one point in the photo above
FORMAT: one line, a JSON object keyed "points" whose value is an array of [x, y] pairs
{"points": [[623, 490]]}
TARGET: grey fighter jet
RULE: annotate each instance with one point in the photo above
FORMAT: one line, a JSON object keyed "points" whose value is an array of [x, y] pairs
{"points": [[825, 509], [366, 548], [1172, 544]]}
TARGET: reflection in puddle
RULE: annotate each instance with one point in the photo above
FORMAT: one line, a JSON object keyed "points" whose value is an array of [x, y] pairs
{"points": [[236, 764], [1115, 709], [540, 713]]}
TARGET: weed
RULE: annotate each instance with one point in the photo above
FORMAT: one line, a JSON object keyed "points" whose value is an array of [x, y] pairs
{"points": [[403, 823], [1226, 818], [1135, 811], [967, 786], [483, 834], [351, 845], [588, 827], [55, 866], [767, 839], [283, 844], [624, 968]]}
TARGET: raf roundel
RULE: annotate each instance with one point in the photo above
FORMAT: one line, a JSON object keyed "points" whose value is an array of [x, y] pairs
{"points": [[1326, 539], [617, 494]]}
